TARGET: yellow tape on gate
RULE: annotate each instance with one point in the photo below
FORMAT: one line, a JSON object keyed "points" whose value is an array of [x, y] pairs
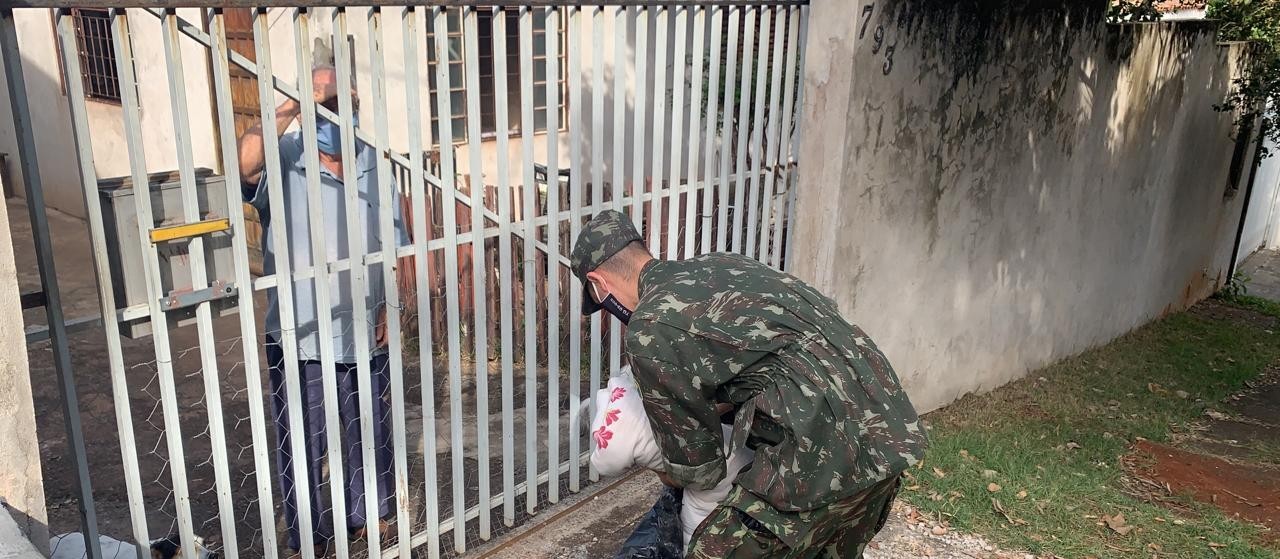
{"points": [[188, 230]]}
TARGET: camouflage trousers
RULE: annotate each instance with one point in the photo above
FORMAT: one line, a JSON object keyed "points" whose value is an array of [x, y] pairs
{"points": [[840, 530]]}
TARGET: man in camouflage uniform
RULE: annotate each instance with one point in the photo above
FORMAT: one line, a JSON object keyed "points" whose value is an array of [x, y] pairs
{"points": [[719, 334]]}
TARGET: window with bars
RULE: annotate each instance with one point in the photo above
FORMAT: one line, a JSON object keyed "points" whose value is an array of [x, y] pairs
{"points": [[98, 71], [488, 92]]}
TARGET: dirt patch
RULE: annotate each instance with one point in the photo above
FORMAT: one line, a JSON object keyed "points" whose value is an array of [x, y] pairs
{"points": [[1262, 405], [1249, 430], [1239, 432], [1028, 407], [912, 535], [1247, 492], [1214, 309]]}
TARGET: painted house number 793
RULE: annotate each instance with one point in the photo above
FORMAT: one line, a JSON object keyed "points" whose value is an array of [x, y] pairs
{"points": [[877, 38]]}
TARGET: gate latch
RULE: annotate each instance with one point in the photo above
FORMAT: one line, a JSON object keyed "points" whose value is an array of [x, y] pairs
{"points": [[218, 289]]}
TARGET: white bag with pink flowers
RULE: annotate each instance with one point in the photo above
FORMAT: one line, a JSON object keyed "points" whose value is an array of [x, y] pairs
{"points": [[622, 437], [620, 430]]}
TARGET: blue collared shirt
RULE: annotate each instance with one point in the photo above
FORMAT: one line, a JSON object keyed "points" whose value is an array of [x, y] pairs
{"points": [[296, 223]]}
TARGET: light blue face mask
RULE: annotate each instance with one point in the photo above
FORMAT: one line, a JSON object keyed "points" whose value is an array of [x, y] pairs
{"points": [[329, 136]]}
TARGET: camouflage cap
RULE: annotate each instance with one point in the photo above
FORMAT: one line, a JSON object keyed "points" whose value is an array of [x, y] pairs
{"points": [[602, 237]]}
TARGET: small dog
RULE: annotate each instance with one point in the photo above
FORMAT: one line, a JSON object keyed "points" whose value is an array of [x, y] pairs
{"points": [[171, 548]]}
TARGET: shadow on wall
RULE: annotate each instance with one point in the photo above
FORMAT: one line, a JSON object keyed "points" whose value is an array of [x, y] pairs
{"points": [[50, 116], [1061, 96], [1046, 180]]}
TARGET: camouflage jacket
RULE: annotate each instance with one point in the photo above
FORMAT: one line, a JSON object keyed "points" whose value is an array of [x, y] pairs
{"points": [[813, 395]]}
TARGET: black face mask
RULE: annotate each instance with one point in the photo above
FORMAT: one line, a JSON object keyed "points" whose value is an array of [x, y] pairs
{"points": [[611, 304]]}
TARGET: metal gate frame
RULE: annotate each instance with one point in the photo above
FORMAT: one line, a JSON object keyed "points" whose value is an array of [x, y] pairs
{"points": [[764, 184]]}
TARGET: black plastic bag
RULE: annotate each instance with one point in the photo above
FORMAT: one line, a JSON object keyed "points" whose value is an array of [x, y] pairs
{"points": [[658, 535]]}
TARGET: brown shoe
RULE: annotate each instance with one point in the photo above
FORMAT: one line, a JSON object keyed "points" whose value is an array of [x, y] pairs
{"points": [[361, 533]]}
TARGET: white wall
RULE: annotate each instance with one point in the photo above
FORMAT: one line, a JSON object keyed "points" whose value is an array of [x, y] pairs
{"points": [[282, 42], [625, 30], [56, 148], [51, 112], [1189, 14], [157, 116], [1272, 165], [1262, 223], [1024, 182]]}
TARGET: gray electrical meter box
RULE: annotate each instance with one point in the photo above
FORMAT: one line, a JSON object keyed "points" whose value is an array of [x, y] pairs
{"points": [[125, 249]]}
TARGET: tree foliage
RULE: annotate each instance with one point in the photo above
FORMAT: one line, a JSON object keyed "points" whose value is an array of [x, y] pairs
{"points": [[1133, 11], [1255, 95]]}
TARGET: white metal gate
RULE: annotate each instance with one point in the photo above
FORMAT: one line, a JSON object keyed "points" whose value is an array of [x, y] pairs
{"points": [[680, 114]]}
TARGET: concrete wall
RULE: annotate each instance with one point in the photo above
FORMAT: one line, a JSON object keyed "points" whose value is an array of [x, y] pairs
{"points": [[1001, 184], [21, 482]]}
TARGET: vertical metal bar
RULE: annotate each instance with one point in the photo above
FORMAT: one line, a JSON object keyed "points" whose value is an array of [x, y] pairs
{"points": [[743, 126], [709, 165], [418, 194], [501, 92], [159, 322], [448, 188], [654, 229], [681, 16], [597, 200], [725, 126], [240, 255], [788, 109], [530, 211], [356, 253], [388, 210], [574, 53], [692, 180], [771, 139], [319, 265], [619, 169], [119, 381], [27, 157], [757, 124], [801, 42], [552, 27], [196, 254], [638, 106], [284, 284], [470, 42]]}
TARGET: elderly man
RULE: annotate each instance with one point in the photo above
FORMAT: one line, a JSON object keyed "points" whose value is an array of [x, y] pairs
{"points": [[722, 335], [297, 226]]}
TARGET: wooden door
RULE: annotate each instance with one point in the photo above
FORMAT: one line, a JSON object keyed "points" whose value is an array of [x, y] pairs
{"points": [[245, 108], [244, 86]]}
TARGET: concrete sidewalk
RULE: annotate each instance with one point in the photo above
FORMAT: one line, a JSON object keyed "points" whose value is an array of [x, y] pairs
{"points": [[591, 527], [1263, 269], [13, 544], [596, 526]]}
